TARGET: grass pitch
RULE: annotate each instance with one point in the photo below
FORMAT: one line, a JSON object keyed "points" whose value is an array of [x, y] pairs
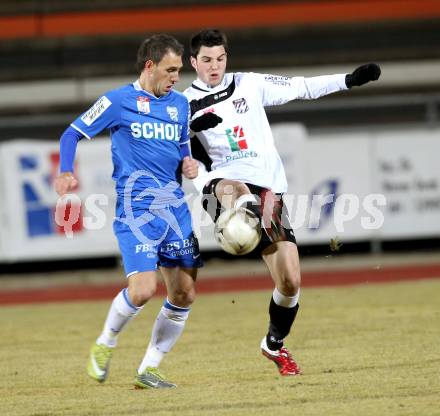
{"points": [[364, 350]]}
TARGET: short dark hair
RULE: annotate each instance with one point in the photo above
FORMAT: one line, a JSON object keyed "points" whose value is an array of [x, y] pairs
{"points": [[209, 38], [155, 48]]}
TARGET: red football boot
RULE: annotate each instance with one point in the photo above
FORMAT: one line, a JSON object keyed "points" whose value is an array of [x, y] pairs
{"points": [[282, 359]]}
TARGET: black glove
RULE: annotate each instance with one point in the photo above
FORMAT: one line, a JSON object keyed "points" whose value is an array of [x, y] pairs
{"points": [[205, 122], [362, 75]]}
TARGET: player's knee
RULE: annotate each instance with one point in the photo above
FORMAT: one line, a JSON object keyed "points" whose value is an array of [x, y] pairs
{"points": [[140, 295], [241, 189], [289, 284], [184, 297]]}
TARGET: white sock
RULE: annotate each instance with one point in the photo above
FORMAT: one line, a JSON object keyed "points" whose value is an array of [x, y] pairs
{"points": [[241, 200], [283, 300], [166, 331], [120, 313]]}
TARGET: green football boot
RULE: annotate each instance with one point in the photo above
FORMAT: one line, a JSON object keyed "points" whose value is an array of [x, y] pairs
{"points": [[152, 379], [99, 362]]}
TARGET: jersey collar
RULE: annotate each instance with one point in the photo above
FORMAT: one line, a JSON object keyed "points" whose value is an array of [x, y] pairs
{"points": [[137, 87], [198, 84]]}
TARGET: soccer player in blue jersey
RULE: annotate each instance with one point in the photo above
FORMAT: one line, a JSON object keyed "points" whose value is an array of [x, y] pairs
{"points": [[148, 123]]}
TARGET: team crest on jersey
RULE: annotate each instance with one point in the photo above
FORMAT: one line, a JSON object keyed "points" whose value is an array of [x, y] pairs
{"points": [[240, 105], [173, 113], [143, 105]]}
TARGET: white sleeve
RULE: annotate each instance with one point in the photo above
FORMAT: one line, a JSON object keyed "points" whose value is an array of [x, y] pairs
{"points": [[276, 89]]}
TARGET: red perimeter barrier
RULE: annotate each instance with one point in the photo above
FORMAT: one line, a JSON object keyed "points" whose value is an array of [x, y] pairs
{"points": [[227, 284]]}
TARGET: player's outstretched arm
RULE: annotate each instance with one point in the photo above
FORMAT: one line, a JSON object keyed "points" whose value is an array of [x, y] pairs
{"points": [[66, 182], [205, 122], [190, 167], [362, 75]]}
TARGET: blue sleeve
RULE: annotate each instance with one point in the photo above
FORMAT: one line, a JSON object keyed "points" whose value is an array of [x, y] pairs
{"points": [[185, 150], [105, 113], [68, 143]]}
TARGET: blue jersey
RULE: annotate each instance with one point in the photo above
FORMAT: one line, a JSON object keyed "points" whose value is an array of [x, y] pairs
{"points": [[146, 133]]}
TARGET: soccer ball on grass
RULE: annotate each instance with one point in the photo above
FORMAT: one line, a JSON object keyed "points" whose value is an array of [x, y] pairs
{"points": [[238, 231]]}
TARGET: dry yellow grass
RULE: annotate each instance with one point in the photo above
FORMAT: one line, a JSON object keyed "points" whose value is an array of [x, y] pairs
{"points": [[364, 350]]}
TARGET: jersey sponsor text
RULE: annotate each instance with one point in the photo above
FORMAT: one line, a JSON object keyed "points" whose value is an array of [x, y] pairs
{"points": [[278, 80], [96, 110], [161, 131], [242, 154]]}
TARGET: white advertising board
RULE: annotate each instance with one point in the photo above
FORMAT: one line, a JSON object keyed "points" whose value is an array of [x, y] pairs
{"points": [[329, 179], [345, 170], [407, 172], [336, 183], [29, 230]]}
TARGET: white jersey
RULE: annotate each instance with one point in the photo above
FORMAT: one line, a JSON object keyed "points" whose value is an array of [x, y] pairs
{"points": [[242, 147]]}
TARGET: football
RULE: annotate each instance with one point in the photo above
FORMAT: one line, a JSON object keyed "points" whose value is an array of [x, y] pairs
{"points": [[238, 231]]}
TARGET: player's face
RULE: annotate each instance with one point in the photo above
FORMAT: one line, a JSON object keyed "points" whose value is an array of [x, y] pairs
{"points": [[164, 75], [210, 64]]}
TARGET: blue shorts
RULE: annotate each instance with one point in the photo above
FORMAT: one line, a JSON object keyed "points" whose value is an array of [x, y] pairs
{"points": [[160, 238]]}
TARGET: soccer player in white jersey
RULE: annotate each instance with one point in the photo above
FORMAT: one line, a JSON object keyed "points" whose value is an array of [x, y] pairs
{"points": [[148, 123], [234, 141]]}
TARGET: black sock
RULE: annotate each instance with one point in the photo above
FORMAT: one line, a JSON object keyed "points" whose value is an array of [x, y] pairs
{"points": [[281, 320]]}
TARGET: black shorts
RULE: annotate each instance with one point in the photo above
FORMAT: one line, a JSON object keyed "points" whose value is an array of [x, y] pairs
{"points": [[277, 210]]}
